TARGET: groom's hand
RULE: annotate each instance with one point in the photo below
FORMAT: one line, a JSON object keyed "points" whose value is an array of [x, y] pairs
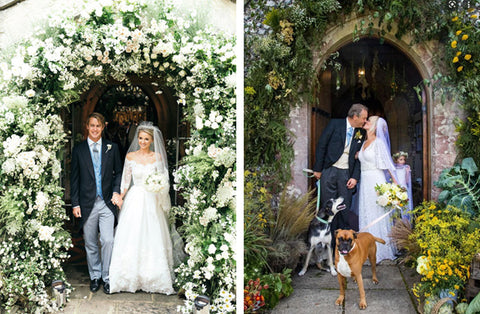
{"points": [[351, 183], [77, 213], [317, 175]]}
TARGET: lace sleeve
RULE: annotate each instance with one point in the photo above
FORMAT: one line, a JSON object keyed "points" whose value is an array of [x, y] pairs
{"points": [[126, 175], [164, 196]]}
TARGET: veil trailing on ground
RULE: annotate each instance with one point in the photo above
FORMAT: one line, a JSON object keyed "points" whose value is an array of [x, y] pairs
{"points": [[382, 151]]}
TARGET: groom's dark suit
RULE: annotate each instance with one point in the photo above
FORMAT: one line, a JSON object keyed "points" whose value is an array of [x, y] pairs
{"points": [[98, 214], [83, 187], [330, 148]]}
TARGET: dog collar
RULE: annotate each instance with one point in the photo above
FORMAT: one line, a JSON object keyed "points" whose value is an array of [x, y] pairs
{"points": [[321, 220]]}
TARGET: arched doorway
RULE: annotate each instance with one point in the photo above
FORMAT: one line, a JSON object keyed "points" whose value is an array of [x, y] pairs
{"points": [[123, 106], [377, 74]]}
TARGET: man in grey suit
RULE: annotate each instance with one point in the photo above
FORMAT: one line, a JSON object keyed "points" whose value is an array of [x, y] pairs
{"points": [[95, 191]]}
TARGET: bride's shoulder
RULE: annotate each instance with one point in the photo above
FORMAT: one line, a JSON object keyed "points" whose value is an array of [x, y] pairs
{"points": [[132, 156]]}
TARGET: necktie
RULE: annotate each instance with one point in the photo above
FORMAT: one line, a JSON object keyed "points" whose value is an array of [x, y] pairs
{"points": [[349, 135], [96, 156]]}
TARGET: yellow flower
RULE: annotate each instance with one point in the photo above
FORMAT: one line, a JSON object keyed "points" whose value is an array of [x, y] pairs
{"points": [[455, 60], [454, 44], [468, 57], [474, 16], [459, 53], [460, 68], [455, 19], [458, 33], [465, 37], [249, 90], [470, 10]]}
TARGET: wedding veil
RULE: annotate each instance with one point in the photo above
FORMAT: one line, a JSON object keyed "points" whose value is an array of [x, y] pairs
{"points": [[382, 151], [158, 145]]}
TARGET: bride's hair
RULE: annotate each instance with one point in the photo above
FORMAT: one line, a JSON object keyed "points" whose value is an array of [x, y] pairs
{"points": [[147, 130], [373, 120]]}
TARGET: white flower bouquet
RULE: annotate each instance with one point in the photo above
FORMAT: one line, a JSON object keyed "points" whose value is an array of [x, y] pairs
{"points": [[391, 196], [157, 182]]}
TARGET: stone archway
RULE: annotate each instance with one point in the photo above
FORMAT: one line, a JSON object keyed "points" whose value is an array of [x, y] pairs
{"points": [[163, 100], [438, 138]]}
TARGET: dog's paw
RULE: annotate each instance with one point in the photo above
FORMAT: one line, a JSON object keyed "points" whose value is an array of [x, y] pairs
{"points": [[333, 272], [302, 272], [363, 305], [339, 301]]}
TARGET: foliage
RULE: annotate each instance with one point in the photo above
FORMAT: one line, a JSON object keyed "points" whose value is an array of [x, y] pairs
{"points": [[474, 306], [95, 43], [448, 240], [460, 186], [272, 235], [279, 286], [462, 60]]}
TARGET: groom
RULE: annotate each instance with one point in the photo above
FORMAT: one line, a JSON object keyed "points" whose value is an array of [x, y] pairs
{"points": [[336, 163], [95, 187]]}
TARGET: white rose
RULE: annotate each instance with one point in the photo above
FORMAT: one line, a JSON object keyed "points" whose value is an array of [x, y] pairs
{"points": [[382, 200], [8, 166], [403, 196], [45, 233], [30, 93], [212, 249]]}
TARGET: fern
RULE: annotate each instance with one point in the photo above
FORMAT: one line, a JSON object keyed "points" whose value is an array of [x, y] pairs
{"points": [[461, 186]]}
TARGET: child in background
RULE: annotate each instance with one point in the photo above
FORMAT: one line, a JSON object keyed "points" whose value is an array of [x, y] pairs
{"points": [[404, 179]]}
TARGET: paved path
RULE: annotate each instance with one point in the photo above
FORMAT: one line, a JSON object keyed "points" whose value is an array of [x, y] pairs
{"points": [[82, 301], [317, 291]]}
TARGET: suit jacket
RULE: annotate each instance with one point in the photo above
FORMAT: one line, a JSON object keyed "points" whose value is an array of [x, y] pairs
{"points": [[331, 145], [82, 181]]}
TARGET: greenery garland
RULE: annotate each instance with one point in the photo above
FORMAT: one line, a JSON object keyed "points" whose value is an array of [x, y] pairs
{"points": [[45, 73]]}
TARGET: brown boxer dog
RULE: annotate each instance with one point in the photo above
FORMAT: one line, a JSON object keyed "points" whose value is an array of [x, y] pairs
{"points": [[351, 252]]}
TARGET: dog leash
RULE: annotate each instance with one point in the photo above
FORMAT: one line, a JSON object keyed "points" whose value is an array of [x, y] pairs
{"points": [[309, 174], [377, 220]]}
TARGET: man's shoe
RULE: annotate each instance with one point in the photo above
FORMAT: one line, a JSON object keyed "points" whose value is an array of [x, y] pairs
{"points": [[106, 288], [95, 285]]}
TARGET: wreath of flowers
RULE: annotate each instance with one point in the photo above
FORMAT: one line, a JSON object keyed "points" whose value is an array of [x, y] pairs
{"points": [[47, 72]]}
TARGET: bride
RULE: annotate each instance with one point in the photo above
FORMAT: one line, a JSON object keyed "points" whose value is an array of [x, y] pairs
{"points": [[142, 253], [376, 168]]}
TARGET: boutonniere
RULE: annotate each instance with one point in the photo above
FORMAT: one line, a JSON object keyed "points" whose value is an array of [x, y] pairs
{"points": [[109, 146], [358, 135]]}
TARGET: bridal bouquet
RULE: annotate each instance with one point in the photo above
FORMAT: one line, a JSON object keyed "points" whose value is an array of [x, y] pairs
{"points": [[391, 196], [156, 182]]}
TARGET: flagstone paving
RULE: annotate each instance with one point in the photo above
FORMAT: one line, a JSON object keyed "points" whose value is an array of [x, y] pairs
{"points": [[82, 300], [317, 291]]}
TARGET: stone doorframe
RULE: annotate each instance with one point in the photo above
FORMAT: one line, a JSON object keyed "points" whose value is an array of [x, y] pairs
{"points": [[439, 133]]}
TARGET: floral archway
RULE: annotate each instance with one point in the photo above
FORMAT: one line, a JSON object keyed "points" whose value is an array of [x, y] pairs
{"points": [[101, 41]]}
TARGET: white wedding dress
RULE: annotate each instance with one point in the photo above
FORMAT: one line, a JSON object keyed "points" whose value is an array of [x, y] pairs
{"points": [[142, 251], [367, 201]]}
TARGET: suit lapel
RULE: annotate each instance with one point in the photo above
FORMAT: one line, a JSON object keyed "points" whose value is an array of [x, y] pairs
{"points": [[88, 159], [104, 155], [344, 132]]}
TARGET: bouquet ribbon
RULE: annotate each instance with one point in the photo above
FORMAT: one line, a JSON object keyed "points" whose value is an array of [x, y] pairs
{"points": [[377, 220]]}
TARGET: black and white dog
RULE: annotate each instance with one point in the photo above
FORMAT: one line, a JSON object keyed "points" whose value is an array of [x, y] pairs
{"points": [[320, 234]]}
